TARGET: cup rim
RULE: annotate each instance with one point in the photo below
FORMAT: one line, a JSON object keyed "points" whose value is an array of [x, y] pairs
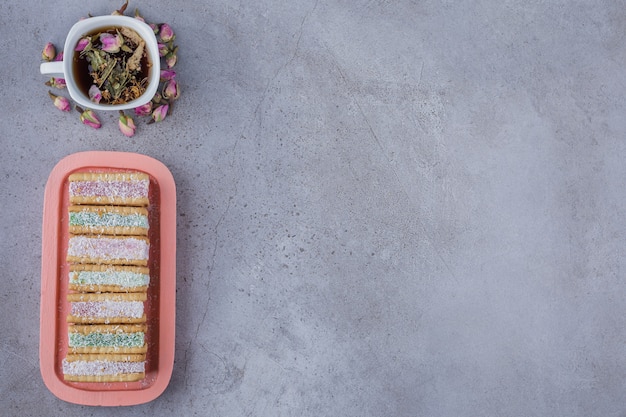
{"points": [[80, 28]]}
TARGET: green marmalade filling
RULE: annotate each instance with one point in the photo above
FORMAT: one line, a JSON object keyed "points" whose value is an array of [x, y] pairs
{"points": [[107, 339], [83, 218], [121, 278]]}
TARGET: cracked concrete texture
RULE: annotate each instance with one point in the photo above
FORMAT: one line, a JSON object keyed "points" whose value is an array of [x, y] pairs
{"points": [[384, 208]]}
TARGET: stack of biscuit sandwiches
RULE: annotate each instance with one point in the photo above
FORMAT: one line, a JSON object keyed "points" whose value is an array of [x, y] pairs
{"points": [[108, 250]]}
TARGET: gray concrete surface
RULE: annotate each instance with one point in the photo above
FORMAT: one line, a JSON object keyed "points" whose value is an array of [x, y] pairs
{"points": [[410, 208]]}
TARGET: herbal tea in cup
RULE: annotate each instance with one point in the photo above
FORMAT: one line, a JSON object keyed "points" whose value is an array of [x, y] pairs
{"points": [[110, 63]]}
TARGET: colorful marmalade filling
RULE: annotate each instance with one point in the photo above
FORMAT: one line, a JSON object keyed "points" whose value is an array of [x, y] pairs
{"points": [[107, 309], [121, 278], [83, 218], [102, 367], [106, 248], [124, 189], [135, 339]]}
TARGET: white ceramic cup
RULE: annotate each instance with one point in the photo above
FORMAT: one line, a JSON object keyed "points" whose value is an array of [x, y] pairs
{"points": [[63, 69]]}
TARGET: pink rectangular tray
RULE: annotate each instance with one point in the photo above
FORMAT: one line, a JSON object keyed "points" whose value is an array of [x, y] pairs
{"points": [[161, 304]]}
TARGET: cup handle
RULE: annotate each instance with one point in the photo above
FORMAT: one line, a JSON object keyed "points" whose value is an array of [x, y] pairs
{"points": [[52, 68]]}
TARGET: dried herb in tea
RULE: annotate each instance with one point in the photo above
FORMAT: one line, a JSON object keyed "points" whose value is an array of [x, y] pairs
{"points": [[112, 65]]}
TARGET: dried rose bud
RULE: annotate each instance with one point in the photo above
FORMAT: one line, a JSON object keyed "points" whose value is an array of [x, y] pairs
{"points": [[144, 110], [111, 43], [167, 75], [166, 33], [163, 50], [121, 10], [126, 124], [157, 98], [60, 103], [56, 83], [82, 44], [155, 28], [49, 52], [160, 113], [59, 56], [95, 94], [171, 91], [139, 17], [171, 58], [89, 118]]}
